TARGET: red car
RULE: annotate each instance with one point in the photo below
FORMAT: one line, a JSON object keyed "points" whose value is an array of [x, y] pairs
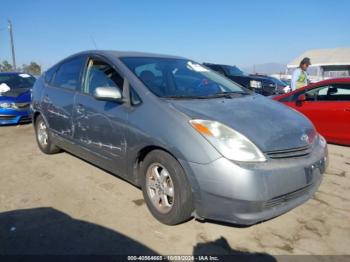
{"points": [[327, 105]]}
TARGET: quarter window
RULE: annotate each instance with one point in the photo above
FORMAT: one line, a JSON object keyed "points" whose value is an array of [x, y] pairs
{"points": [[68, 74], [134, 97]]}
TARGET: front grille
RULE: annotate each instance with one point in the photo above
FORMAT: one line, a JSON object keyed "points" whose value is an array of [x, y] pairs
{"points": [[289, 153], [25, 119], [7, 117], [287, 197]]}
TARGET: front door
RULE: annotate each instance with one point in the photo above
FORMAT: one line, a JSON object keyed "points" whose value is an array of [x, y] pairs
{"points": [[328, 107], [99, 126]]}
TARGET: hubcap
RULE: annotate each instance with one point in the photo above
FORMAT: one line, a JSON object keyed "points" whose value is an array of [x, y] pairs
{"points": [[160, 187], [42, 134]]}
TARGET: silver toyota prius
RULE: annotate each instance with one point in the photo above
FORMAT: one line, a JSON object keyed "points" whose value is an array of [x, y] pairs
{"points": [[198, 144]]}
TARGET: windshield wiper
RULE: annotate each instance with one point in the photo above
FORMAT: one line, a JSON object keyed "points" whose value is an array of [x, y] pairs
{"points": [[229, 94], [216, 95], [187, 97]]}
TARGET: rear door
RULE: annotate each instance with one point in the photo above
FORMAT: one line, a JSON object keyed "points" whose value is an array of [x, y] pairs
{"points": [[328, 107], [59, 95], [99, 126]]}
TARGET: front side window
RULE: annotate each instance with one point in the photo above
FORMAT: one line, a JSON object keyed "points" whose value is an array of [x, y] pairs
{"points": [[68, 74], [334, 92], [180, 78], [101, 74]]}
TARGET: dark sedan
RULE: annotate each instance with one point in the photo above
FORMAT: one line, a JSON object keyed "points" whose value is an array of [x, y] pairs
{"points": [[259, 84]]}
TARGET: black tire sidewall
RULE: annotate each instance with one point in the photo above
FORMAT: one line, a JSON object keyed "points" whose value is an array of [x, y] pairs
{"points": [[183, 206]]}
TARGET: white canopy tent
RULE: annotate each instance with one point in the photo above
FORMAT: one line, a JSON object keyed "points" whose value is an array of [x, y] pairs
{"points": [[332, 62], [324, 57]]}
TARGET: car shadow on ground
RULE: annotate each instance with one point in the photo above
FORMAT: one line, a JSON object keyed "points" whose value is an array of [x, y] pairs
{"points": [[47, 231], [222, 249]]}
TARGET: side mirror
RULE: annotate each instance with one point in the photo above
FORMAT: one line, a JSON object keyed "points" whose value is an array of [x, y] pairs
{"points": [[300, 99], [108, 94]]}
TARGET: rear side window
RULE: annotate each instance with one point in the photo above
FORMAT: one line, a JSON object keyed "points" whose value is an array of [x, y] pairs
{"points": [[68, 74], [50, 73]]}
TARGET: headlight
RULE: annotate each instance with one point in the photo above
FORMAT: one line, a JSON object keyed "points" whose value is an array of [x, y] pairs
{"points": [[230, 143], [255, 84], [7, 105], [323, 141]]}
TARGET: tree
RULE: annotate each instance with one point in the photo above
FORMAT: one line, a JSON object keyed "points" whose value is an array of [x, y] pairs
{"points": [[33, 68], [5, 66]]}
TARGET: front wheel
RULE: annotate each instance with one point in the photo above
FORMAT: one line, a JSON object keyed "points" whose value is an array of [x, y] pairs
{"points": [[165, 188], [44, 137]]}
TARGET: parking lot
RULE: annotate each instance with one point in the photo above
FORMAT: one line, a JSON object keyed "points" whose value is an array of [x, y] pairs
{"points": [[60, 204]]}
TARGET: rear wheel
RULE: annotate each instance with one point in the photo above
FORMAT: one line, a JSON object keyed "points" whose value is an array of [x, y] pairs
{"points": [[44, 137], [165, 188]]}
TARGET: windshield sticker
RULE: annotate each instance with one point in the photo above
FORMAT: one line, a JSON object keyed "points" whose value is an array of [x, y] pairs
{"points": [[4, 88], [24, 75], [196, 67]]}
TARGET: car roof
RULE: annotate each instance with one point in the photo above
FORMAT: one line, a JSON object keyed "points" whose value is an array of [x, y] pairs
{"points": [[120, 54], [326, 82]]}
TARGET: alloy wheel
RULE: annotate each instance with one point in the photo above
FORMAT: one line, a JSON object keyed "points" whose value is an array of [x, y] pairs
{"points": [[160, 187]]}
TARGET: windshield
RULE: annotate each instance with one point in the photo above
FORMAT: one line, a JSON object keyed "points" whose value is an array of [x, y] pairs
{"points": [[180, 78], [234, 71], [14, 81]]}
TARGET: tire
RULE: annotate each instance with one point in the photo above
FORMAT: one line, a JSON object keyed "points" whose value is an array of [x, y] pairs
{"points": [[168, 210], [44, 137]]}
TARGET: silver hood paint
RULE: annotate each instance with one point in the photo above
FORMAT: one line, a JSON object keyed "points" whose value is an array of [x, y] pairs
{"points": [[269, 124]]}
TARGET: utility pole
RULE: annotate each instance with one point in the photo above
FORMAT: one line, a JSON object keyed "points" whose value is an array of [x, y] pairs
{"points": [[12, 45]]}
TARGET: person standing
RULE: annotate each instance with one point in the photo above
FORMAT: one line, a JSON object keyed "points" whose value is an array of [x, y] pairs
{"points": [[300, 76]]}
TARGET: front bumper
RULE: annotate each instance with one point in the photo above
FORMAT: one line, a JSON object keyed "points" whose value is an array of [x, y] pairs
{"points": [[246, 194], [11, 116]]}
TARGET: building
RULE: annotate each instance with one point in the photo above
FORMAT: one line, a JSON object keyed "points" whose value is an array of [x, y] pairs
{"points": [[326, 63]]}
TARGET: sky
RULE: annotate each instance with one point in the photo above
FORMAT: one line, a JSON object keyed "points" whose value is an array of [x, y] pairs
{"points": [[233, 32]]}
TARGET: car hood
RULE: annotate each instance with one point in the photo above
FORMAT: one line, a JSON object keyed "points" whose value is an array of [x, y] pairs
{"points": [[270, 125], [16, 95]]}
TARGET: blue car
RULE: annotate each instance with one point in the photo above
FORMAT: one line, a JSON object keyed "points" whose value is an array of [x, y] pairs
{"points": [[15, 97]]}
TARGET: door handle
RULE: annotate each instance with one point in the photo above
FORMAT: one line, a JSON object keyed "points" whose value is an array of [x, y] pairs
{"points": [[79, 108], [347, 110]]}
